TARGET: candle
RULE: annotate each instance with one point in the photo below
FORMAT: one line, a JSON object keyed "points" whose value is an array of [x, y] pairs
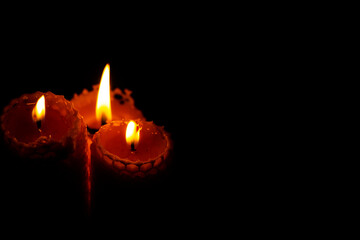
{"points": [[128, 148], [48, 137], [56, 128], [92, 105]]}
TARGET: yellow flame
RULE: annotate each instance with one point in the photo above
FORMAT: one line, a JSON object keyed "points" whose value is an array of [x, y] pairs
{"points": [[38, 112], [132, 133], [103, 106]]}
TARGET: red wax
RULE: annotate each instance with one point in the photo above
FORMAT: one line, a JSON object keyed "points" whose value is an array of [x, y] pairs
{"points": [[122, 106], [110, 147]]}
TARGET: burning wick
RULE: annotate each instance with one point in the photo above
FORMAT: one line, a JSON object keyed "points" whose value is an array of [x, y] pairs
{"points": [[103, 119], [38, 124], [132, 135], [103, 103], [38, 113]]}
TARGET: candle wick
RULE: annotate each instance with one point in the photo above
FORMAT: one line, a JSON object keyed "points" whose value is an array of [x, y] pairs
{"points": [[103, 120], [133, 146], [38, 124]]}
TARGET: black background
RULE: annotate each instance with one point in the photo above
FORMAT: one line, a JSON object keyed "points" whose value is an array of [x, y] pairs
{"points": [[175, 59], [189, 71], [163, 64], [207, 75]]}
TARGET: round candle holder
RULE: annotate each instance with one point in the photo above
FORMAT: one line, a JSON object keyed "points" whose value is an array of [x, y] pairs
{"points": [[112, 155], [122, 106]]}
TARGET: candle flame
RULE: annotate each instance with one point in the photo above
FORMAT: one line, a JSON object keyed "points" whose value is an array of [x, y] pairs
{"points": [[38, 112], [103, 106], [132, 133]]}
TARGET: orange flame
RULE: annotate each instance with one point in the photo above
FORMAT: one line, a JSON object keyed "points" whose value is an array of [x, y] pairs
{"points": [[38, 112], [132, 133], [103, 106]]}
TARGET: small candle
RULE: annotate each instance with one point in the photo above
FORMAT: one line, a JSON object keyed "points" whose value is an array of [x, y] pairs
{"points": [[120, 104], [142, 151], [60, 130]]}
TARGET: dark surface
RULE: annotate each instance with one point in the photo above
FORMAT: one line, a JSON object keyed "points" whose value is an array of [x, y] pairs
{"points": [[158, 68]]}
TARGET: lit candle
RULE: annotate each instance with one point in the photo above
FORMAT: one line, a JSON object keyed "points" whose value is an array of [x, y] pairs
{"points": [[39, 125], [91, 104], [129, 148]]}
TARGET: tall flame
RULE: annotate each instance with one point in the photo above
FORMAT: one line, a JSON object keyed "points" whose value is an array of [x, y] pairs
{"points": [[132, 133], [38, 112], [103, 106]]}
